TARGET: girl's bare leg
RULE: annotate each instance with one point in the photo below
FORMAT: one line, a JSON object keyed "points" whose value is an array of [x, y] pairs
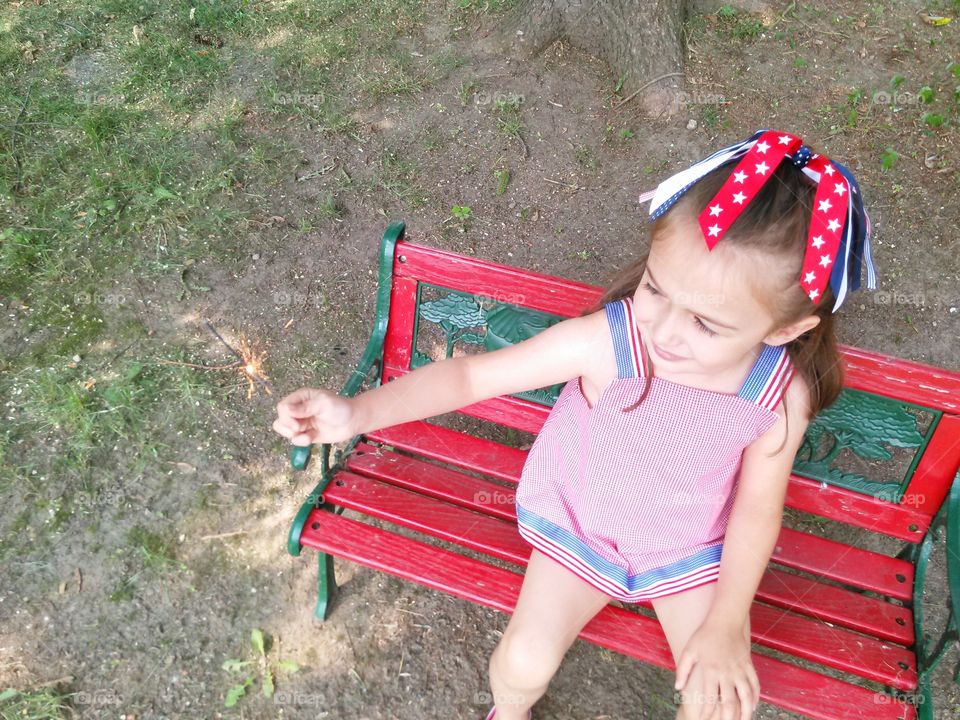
{"points": [[680, 615], [553, 606]]}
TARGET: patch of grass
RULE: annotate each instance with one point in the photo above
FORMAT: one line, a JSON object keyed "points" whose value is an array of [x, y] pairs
{"points": [[710, 117], [395, 76], [585, 157], [466, 91], [476, 7], [740, 25], [156, 550], [888, 158], [508, 116], [328, 207], [171, 68], [433, 139], [42, 704], [341, 48], [399, 176], [75, 418], [154, 553]]}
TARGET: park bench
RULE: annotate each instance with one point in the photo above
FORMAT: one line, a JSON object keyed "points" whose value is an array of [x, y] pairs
{"points": [[838, 620]]}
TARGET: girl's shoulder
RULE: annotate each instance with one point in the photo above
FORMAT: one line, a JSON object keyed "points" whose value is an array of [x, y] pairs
{"points": [[795, 399]]}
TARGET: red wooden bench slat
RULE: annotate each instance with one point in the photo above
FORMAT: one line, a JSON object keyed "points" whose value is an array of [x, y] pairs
{"points": [[853, 508], [837, 605], [546, 293], [834, 647], [434, 481], [845, 563], [820, 556], [790, 687], [809, 639], [926, 385], [457, 448], [875, 372], [803, 494]]}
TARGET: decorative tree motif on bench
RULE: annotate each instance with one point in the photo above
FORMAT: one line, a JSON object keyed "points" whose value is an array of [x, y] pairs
{"points": [[463, 318], [866, 424], [509, 325], [455, 313]]}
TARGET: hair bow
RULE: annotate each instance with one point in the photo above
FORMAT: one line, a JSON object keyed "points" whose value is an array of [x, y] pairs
{"points": [[839, 237]]}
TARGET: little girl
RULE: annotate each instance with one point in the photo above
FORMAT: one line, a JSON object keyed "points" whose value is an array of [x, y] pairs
{"points": [[661, 470]]}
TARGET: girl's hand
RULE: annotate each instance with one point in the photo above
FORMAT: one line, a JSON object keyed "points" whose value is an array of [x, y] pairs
{"points": [[311, 415], [716, 674]]}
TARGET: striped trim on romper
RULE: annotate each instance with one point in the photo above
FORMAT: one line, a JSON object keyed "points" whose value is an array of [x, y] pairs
{"points": [[763, 385]]}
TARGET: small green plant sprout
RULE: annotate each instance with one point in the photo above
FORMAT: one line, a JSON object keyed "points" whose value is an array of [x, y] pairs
{"points": [[926, 94], [503, 179], [261, 666], [888, 158], [467, 90], [626, 133], [462, 214]]}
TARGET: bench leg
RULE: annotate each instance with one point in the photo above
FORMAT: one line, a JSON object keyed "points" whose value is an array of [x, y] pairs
{"points": [[326, 585]]}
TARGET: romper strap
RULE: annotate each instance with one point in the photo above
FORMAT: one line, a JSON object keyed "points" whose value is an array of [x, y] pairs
{"points": [[769, 377], [626, 341]]}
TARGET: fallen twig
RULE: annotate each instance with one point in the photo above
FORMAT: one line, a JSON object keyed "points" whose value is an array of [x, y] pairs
{"points": [[218, 536], [643, 87]]}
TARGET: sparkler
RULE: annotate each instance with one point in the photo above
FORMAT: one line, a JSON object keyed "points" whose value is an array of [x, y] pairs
{"points": [[250, 361]]}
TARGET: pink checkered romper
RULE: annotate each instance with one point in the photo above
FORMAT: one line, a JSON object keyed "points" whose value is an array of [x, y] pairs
{"points": [[637, 503]]}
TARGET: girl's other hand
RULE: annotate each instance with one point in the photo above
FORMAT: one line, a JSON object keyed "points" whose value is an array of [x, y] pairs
{"points": [[716, 674], [311, 415]]}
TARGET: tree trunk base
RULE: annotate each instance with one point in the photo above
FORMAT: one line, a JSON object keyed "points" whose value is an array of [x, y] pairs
{"points": [[641, 41]]}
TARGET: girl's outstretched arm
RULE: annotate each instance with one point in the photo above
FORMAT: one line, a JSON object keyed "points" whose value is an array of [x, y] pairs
{"points": [[554, 355], [719, 645]]}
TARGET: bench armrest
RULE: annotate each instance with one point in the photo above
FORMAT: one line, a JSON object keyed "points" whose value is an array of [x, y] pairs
{"points": [[373, 353]]}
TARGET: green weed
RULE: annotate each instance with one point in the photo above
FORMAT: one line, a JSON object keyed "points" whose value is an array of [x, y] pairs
{"points": [[261, 667]]}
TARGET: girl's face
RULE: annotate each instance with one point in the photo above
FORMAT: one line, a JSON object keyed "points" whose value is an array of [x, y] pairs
{"points": [[696, 307]]}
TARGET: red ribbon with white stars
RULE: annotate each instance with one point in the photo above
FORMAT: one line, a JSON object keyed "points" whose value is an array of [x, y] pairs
{"points": [[830, 208]]}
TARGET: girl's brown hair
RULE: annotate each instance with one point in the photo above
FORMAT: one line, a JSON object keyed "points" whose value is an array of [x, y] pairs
{"points": [[776, 223]]}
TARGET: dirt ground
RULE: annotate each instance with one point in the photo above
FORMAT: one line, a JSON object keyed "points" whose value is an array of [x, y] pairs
{"points": [[391, 649]]}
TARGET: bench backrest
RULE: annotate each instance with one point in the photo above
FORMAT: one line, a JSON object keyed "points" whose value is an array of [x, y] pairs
{"points": [[882, 457]]}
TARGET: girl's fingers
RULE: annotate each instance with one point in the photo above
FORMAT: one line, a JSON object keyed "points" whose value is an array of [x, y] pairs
{"points": [[700, 700], [280, 428], [754, 685], [288, 426], [309, 403], [726, 697], [744, 693]]}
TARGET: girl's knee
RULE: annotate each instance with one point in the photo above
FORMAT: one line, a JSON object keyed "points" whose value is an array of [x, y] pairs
{"points": [[526, 659]]}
